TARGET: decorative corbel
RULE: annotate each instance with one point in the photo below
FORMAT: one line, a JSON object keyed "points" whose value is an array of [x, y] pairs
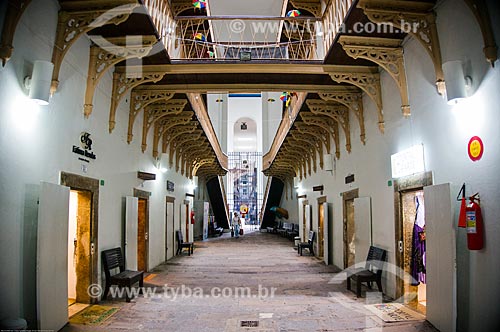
{"points": [[413, 17], [108, 53], [74, 23], [123, 81], [365, 78], [139, 99], [331, 126], [385, 52], [170, 137], [165, 123], [480, 10], [337, 112], [154, 112], [180, 6], [180, 140], [312, 6], [352, 98], [15, 10], [321, 134], [313, 141]]}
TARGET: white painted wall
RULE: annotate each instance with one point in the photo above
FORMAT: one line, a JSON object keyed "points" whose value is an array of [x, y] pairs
{"points": [[244, 107], [36, 145], [444, 131]]}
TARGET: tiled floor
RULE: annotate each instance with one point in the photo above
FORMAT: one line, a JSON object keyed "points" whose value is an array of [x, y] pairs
{"points": [[303, 298]]}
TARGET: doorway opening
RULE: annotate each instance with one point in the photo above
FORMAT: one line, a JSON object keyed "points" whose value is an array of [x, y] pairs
{"points": [[79, 259], [322, 213], [349, 227], [410, 237], [142, 229], [169, 228], [82, 239]]}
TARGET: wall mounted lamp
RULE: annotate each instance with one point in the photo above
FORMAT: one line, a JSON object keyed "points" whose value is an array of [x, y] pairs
{"points": [[457, 83], [243, 126], [40, 81]]}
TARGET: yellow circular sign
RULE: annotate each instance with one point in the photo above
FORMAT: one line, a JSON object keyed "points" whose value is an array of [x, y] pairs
{"points": [[476, 148], [243, 208]]}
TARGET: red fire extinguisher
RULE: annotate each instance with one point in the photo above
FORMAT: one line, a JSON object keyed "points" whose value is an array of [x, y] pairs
{"points": [[192, 218], [474, 221]]}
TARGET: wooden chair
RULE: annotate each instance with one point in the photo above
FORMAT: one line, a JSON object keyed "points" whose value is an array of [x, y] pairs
{"points": [[181, 244], [113, 258], [372, 271], [308, 244]]}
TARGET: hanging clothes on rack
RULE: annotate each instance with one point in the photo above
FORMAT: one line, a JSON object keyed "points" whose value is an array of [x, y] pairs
{"points": [[418, 241]]}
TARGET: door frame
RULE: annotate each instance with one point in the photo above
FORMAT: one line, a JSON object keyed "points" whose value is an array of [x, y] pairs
{"points": [[401, 185], [141, 194], [169, 200], [346, 196], [83, 183], [321, 227], [305, 226]]}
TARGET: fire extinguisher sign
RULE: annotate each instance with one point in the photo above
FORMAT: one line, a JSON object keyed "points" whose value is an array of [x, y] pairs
{"points": [[471, 222]]}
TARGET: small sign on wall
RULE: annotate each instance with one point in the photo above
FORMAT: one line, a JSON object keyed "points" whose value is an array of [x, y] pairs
{"points": [[475, 148], [170, 186]]}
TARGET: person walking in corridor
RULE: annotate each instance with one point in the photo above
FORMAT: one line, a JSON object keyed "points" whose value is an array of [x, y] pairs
{"points": [[236, 224]]}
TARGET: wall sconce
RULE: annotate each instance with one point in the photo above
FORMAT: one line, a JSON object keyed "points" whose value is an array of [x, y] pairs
{"points": [[243, 126], [457, 83], [40, 81]]}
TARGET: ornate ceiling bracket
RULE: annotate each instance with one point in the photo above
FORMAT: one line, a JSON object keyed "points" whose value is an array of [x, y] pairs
{"points": [[368, 80], [109, 53], [308, 145], [15, 10], [326, 123], [198, 164], [139, 99], [166, 123], [73, 23], [353, 99], [124, 81], [172, 137], [196, 148], [385, 52], [154, 112], [413, 17], [314, 142], [305, 153], [178, 6], [480, 10], [321, 134], [312, 6], [194, 135], [335, 111]]}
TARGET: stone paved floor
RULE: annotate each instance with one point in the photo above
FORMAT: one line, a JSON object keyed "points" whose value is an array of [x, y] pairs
{"points": [[303, 298]]}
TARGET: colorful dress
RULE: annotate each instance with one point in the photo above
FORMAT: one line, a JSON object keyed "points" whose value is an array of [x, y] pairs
{"points": [[418, 240]]}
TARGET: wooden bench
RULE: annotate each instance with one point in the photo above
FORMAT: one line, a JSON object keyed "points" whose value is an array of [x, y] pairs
{"points": [[372, 271], [181, 244], [308, 244], [112, 259]]}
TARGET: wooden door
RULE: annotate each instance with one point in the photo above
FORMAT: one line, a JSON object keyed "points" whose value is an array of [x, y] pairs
{"points": [[142, 235]]}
